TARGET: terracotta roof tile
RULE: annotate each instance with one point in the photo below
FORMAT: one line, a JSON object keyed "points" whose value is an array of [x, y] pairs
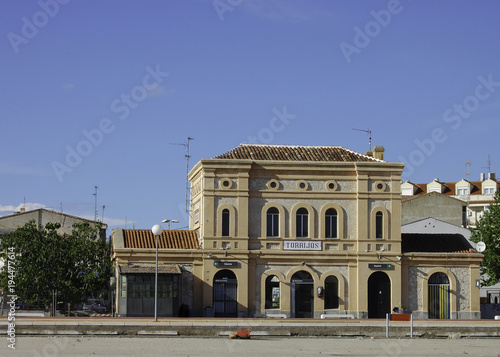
{"points": [[169, 239], [294, 153]]}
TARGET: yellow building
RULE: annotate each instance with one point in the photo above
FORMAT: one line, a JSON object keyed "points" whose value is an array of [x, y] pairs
{"points": [[302, 231]]}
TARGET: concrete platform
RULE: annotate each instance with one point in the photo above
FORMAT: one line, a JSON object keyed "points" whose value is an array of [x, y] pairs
{"points": [[212, 327]]}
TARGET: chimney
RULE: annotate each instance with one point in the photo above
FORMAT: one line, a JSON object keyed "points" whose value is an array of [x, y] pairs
{"points": [[369, 153], [491, 175], [378, 152], [481, 176]]}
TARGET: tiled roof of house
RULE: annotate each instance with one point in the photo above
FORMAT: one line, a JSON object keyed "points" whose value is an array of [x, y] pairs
{"points": [[144, 268], [294, 153], [449, 188], [169, 239], [434, 243]]}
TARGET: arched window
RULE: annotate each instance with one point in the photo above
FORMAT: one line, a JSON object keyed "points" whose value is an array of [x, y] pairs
{"points": [[331, 223], [225, 222], [302, 219], [272, 292], [379, 225], [273, 218], [331, 292]]}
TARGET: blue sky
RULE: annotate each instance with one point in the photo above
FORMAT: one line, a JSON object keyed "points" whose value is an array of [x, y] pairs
{"points": [[94, 93]]}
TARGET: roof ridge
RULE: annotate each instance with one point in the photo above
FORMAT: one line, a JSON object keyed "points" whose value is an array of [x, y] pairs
{"points": [[295, 153]]}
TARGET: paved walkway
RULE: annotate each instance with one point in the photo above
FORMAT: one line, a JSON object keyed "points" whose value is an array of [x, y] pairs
{"points": [[72, 346], [212, 327]]}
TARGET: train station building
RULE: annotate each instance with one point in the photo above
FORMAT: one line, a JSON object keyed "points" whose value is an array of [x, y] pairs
{"points": [[297, 232]]}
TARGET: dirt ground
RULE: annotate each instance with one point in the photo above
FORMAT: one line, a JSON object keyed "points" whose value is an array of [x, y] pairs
{"points": [[257, 346]]}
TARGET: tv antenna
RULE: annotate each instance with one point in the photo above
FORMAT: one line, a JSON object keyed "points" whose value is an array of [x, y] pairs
{"points": [[187, 156], [489, 164], [467, 173], [369, 132]]}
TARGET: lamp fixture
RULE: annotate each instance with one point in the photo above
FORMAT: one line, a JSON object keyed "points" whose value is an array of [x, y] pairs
{"points": [[380, 254], [170, 221], [225, 249]]}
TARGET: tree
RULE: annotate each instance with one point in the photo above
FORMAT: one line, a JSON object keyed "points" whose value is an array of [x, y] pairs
{"points": [[43, 262], [488, 231]]}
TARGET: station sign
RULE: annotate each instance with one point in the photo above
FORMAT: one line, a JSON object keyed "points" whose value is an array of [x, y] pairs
{"points": [[380, 266], [220, 264], [301, 245]]}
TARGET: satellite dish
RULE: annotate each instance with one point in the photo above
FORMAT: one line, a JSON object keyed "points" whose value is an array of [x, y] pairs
{"points": [[480, 247]]}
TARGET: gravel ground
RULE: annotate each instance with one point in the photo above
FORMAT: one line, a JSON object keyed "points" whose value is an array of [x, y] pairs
{"points": [[257, 346]]}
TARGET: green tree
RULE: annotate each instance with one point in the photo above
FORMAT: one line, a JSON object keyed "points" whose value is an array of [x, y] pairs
{"points": [[75, 266], [488, 231]]}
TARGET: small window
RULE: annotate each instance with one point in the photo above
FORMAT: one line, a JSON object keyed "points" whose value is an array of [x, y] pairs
{"points": [[302, 185], [302, 219], [379, 225], [380, 186], [462, 191], [273, 217], [331, 223], [273, 184], [331, 185], [226, 183], [489, 190], [225, 223]]}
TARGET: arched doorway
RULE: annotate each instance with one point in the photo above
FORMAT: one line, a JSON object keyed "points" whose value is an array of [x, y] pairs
{"points": [[225, 287], [302, 296], [379, 295], [439, 296]]}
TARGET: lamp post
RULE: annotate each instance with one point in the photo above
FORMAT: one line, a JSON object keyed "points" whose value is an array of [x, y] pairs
{"points": [[170, 221], [157, 230]]}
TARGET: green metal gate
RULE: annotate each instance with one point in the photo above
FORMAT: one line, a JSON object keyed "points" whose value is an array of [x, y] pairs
{"points": [[439, 296]]}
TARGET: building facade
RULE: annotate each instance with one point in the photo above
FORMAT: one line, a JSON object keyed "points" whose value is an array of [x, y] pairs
{"points": [[306, 231]]}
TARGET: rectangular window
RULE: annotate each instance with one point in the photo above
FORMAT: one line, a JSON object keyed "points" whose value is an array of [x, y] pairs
{"points": [[225, 223], [489, 190], [462, 191], [379, 225], [302, 230], [331, 224], [273, 224]]}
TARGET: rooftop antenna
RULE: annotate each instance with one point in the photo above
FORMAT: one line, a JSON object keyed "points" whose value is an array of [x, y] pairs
{"points": [[369, 132], [103, 207], [186, 145], [489, 164], [95, 200], [467, 173]]}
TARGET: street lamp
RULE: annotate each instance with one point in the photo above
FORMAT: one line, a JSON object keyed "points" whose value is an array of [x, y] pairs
{"points": [[157, 230], [170, 221]]}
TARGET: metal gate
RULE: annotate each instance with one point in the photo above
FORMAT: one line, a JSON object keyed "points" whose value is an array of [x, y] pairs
{"points": [[439, 296]]}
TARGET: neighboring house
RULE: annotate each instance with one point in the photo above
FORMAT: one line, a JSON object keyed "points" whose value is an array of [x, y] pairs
{"points": [[301, 231], [478, 195], [41, 217], [433, 204]]}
